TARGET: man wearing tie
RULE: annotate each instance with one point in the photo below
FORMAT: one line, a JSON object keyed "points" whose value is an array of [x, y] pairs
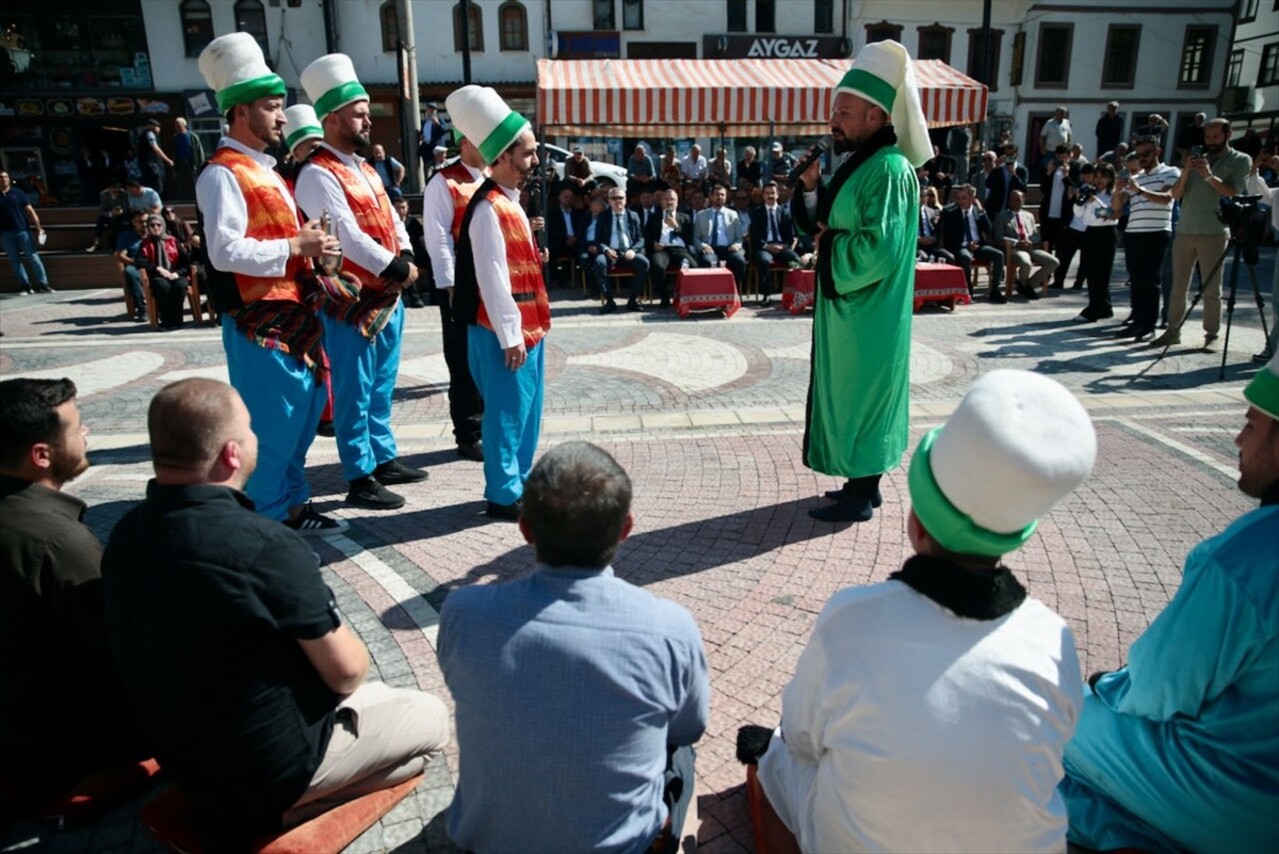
{"points": [[772, 234], [669, 241], [620, 243], [718, 235], [1016, 227], [966, 235], [565, 228]]}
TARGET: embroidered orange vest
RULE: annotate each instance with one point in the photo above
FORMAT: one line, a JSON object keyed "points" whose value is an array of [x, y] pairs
{"points": [[525, 265], [461, 187], [270, 218], [370, 206]]}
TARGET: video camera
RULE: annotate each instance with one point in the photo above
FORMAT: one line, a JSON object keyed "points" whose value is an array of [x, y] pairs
{"points": [[1246, 218], [1085, 191]]}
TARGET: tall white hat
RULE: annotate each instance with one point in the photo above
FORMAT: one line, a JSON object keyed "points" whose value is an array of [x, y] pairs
{"points": [[300, 124], [884, 74], [235, 69], [331, 84], [481, 116], [1017, 444]]}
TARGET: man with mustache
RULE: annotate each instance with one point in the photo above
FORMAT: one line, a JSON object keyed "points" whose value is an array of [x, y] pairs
{"points": [[864, 222], [362, 337]]}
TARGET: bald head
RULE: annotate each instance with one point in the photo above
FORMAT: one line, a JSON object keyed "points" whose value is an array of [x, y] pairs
{"points": [[190, 423]]}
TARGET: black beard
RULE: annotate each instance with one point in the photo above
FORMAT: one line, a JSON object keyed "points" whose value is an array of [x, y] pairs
{"points": [[360, 142], [843, 145]]}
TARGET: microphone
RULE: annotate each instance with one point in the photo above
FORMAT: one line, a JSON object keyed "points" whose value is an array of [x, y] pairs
{"points": [[823, 145]]}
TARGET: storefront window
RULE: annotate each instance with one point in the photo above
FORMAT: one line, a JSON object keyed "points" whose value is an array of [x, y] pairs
{"points": [[74, 50]]}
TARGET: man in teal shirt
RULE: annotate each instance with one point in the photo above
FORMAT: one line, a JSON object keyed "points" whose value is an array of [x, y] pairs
{"points": [[1214, 172], [1179, 750]]}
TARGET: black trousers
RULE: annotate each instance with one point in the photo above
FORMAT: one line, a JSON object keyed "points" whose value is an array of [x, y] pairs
{"points": [[1068, 243], [1099, 261], [1144, 252], [466, 407], [662, 261], [169, 296], [765, 259]]}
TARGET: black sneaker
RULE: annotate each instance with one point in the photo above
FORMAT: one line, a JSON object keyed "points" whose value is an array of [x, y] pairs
{"points": [[1261, 358], [506, 512], [312, 524], [473, 451], [394, 471], [998, 298], [368, 493], [325, 428], [46, 289]]}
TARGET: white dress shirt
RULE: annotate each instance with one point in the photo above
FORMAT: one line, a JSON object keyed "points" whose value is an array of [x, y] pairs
{"points": [[318, 188], [670, 235], [437, 225], [694, 169], [226, 217], [492, 273]]}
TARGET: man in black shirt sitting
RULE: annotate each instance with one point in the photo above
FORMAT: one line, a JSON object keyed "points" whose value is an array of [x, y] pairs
{"points": [[231, 645]]}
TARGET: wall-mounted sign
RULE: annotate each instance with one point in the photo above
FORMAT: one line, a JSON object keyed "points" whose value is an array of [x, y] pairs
{"points": [[588, 44], [775, 47]]}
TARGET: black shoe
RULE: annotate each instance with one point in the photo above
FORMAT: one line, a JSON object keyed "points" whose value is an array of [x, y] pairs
{"points": [[1128, 321], [1077, 286], [765, 299], [752, 743], [632, 305], [1085, 317], [368, 493], [844, 511], [1127, 331], [47, 289], [312, 524], [846, 492], [325, 428], [1261, 358], [505, 512], [474, 451], [394, 471], [665, 303], [1027, 291], [998, 298], [412, 300], [1142, 333], [608, 307]]}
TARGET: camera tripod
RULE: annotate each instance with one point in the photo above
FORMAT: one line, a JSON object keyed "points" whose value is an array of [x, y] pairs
{"points": [[1246, 251]]}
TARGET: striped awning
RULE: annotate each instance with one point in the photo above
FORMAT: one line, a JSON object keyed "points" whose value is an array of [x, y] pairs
{"points": [[722, 97]]}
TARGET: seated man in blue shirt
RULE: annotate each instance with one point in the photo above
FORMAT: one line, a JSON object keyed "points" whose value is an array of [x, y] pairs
{"points": [[578, 695], [128, 250]]}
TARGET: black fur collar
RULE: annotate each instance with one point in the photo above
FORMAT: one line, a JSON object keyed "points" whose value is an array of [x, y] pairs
{"points": [[826, 199], [969, 593]]}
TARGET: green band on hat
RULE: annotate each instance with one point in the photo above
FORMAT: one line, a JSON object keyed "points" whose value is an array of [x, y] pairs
{"points": [[339, 96], [1263, 392], [865, 83], [248, 91], [502, 136], [303, 133], [457, 136], [951, 528]]}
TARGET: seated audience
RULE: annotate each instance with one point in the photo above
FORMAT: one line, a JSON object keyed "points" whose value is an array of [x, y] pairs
{"points": [[588, 247], [741, 202], [128, 245], [772, 234], [941, 173], [929, 712], [578, 695], [668, 240], [966, 235], [748, 168], [718, 235], [929, 246], [141, 198], [1017, 228], [647, 206], [112, 204], [1176, 751], [619, 243], [65, 713], [565, 228], [231, 646], [168, 268], [577, 171], [721, 169], [781, 164], [694, 167], [668, 168], [641, 171]]}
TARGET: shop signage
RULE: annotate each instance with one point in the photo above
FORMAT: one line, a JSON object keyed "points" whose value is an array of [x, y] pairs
{"points": [[587, 44], [775, 47]]}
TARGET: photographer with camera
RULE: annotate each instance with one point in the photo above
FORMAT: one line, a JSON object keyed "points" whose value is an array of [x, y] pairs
{"points": [[1214, 171], [1148, 195], [1009, 175], [1095, 205], [1270, 196]]}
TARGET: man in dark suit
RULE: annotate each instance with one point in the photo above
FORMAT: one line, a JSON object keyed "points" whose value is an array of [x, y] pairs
{"points": [[565, 230], [1056, 210], [772, 238], [966, 234], [1009, 175], [668, 240], [619, 243]]}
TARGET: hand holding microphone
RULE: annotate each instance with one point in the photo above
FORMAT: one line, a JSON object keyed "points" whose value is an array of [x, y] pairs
{"points": [[810, 161]]}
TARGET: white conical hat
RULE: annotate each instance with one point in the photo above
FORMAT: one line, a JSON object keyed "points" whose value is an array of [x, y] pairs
{"points": [[331, 84], [481, 115], [884, 74], [235, 69], [1017, 444], [301, 123]]}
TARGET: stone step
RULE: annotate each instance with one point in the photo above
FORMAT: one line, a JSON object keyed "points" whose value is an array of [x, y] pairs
{"points": [[70, 270]]}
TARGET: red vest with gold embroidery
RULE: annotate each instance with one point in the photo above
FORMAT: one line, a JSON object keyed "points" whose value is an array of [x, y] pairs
{"points": [[370, 206], [270, 218], [525, 265], [461, 187]]}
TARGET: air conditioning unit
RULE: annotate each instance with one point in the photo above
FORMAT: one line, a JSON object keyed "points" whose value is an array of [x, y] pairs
{"points": [[1236, 99]]}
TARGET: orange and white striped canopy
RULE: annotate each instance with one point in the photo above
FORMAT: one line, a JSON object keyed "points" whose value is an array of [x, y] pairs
{"points": [[723, 97]]}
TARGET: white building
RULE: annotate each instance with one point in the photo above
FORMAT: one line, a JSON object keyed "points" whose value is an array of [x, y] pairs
{"points": [[1251, 96]]}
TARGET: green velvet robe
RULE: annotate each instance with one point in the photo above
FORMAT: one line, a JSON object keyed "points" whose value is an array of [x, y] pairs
{"points": [[859, 388]]}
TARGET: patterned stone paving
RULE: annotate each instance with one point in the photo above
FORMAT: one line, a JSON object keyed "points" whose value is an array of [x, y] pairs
{"points": [[707, 416]]}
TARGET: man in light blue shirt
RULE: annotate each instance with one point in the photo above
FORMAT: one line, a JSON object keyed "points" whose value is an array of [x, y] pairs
{"points": [[578, 695]]}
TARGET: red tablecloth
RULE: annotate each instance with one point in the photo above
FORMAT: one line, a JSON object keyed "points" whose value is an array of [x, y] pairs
{"points": [[700, 290], [943, 283], [797, 293]]}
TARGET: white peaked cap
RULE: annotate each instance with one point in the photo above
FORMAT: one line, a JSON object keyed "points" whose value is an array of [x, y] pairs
{"points": [[300, 124], [235, 69], [485, 119], [884, 74], [331, 84]]}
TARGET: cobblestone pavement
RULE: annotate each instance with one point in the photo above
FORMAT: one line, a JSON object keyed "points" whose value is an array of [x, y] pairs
{"points": [[707, 415]]}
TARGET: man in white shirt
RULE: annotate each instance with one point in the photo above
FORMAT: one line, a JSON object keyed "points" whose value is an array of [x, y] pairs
{"points": [[930, 712], [362, 337], [272, 338], [499, 291], [1055, 132], [444, 202], [718, 235], [694, 167], [1256, 186], [1148, 193]]}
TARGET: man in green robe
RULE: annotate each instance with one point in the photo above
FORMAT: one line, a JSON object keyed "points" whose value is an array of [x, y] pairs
{"points": [[865, 222]]}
